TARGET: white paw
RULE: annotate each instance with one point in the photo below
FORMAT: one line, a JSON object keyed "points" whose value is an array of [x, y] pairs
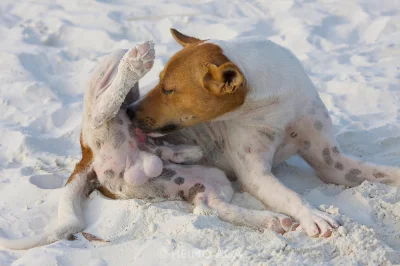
{"points": [[277, 222], [187, 154], [141, 58], [318, 223]]}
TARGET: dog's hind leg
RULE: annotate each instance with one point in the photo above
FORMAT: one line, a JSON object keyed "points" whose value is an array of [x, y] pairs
{"points": [[133, 66], [318, 147], [332, 166]]}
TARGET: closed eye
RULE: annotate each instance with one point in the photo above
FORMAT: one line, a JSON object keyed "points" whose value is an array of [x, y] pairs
{"points": [[165, 91]]}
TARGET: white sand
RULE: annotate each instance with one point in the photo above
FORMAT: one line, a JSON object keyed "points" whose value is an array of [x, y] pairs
{"points": [[351, 50]]}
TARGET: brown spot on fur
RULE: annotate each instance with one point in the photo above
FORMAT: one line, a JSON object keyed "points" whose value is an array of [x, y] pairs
{"points": [[318, 125], [71, 237], [339, 166], [326, 154], [293, 134], [86, 160], [179, 180], [354, 176], [196, 189], [167, 174], [379, 175]]}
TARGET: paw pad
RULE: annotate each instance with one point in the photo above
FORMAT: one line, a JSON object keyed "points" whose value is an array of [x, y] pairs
{"points": [[141, 58]]}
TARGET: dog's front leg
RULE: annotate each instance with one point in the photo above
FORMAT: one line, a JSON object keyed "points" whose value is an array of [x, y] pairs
{"points": [[254, 174], [188, 154]]}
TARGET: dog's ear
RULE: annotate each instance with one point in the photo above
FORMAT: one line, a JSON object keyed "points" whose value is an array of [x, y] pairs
{"points": [[223, 79], [183, 39]]}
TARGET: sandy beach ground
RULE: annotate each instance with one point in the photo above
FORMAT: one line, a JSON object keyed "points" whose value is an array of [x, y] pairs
{"points": [[350, 49]]}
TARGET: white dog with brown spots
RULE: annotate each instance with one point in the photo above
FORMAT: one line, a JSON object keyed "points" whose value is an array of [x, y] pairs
{"points": [[247, 103]]}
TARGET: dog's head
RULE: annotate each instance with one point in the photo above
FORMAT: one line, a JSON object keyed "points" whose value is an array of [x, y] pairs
{"points": [[197, 84]]}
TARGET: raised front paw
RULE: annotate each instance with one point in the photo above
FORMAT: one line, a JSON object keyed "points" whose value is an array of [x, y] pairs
{"points": [[317, 223], [141, 58]]}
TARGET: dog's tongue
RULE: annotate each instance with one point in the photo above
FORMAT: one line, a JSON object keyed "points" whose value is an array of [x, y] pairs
{"points": [[140, 136]]}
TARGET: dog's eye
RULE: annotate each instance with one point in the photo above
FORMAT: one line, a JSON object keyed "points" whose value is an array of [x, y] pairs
{"points": [[167, 91]]}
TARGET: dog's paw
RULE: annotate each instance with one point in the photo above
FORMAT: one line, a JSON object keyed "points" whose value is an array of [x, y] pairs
{"points": [[186, 154], [277, 222], [140, 59], [318, 223]]}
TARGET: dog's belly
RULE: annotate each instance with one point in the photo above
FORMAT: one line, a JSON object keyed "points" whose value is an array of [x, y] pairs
{"points": [[175, 182]]}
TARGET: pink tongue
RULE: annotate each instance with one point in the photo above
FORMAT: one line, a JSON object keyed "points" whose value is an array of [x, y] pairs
{"points": [[140, 136]]}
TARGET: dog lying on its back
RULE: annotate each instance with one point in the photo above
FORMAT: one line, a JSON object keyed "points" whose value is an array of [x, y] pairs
{"points": [[120, 161]]}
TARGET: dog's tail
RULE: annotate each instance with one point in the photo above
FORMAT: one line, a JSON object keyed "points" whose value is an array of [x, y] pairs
{"points": [[70, 216]]}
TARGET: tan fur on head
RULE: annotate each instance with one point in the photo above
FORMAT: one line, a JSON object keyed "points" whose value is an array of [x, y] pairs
{"points": [[222, 79], [198, 83]]}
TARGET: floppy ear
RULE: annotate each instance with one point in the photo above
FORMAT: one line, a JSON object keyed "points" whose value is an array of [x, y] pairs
{"points": [[223, 79], [183, 39]]}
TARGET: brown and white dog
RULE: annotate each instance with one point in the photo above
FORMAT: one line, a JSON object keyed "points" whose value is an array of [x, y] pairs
{"points": [[120, 161], [249, 105]]}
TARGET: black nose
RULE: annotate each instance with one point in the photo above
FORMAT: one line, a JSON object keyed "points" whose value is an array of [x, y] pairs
{"points": [[131, 112]]}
